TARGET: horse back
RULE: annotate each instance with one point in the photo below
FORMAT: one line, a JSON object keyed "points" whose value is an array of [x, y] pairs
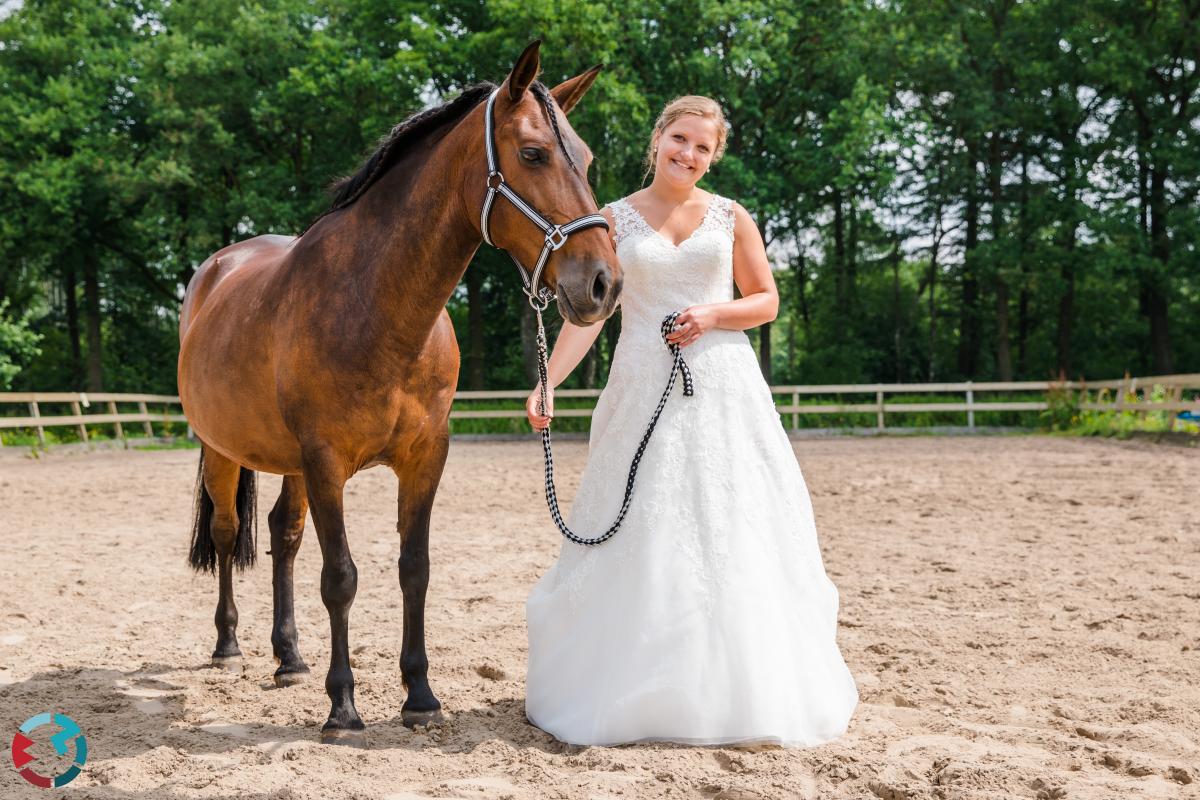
{"points": [[261, 252]]}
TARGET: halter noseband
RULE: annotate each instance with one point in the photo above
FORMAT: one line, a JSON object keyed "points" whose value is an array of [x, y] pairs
{"points": [[556, 235]]}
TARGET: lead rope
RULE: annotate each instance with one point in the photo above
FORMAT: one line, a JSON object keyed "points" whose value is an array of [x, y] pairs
{"points": [[679, 366]]}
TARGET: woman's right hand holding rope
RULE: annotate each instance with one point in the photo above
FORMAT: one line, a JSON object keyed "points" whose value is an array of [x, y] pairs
{"points": [[532, 407]]}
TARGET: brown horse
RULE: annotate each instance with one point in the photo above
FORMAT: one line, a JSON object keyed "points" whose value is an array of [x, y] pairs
{"points": [[317, 356]]}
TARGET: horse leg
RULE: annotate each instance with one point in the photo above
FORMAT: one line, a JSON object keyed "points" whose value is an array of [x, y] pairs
{"points": [[287, 529], [419, 479], [324, 481], [227, 485]]}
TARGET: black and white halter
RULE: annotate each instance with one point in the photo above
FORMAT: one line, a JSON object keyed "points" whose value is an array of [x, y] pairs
{"points": [[539, 299], [556, 235]]}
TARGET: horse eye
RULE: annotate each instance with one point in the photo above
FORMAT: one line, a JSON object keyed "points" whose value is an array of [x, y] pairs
{"points": [[532, 155]]}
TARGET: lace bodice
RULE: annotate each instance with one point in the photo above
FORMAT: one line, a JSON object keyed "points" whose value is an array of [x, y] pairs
{"points": [[660, 277]]}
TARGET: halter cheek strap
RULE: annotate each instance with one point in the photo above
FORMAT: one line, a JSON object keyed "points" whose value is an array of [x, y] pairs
{"points": [[555, 235]]}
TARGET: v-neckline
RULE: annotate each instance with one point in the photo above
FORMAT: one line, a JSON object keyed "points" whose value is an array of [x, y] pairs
{"points": [[708, 210]]}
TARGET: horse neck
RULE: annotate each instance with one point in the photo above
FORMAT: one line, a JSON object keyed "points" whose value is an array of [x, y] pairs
{"points": [[415, 238]]}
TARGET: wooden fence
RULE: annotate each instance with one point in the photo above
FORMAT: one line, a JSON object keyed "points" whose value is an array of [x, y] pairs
{"points": [[1128, 394]]}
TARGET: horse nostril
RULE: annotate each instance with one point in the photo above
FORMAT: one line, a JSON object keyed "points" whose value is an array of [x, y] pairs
{"points": [[600, 286]]}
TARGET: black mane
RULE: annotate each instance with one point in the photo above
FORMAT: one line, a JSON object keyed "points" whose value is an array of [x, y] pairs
{"points": [[407, 133]]}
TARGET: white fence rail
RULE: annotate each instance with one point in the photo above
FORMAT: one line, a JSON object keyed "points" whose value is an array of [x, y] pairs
{"points": [[1128, 394]]}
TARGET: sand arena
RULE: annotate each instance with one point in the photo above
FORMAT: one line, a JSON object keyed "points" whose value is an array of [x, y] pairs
{"points": [[1021, 614]]}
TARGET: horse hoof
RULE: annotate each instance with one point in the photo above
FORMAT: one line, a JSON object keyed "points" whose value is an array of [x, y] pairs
{"points": [[286, 679], [344, 738], [412, 719], [228, 663]]}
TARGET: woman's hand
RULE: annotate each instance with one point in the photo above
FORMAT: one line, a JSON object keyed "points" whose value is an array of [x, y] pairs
{"points": [[692, 324], [536, 419]]}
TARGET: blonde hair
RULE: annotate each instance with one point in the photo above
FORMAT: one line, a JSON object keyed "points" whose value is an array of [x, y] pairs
{"points": [[696, 104]]}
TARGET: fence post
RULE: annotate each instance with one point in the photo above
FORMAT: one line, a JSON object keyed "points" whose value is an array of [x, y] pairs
{"points": [[879, 407], [112, 409], [79, 412], [1123, 392], [970, 406], [146, 427], [41, 432], [795, 415], [1176, 396]]}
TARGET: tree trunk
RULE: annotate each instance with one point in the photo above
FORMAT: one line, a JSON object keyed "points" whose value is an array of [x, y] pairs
{"points": [[1157, 281], [1066, 302], [791, 344], [1003, 353], [91, 303], [933, 274], [896, 336], [1160, 335], [1000, 282], [969, 327], [1023, 263], [476, 349], [852, 261], [73, 327], [839, 253], [802, 286], [1022, 323]]}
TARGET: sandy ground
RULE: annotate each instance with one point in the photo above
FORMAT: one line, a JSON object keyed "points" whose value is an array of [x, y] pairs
{"points": [[1021, 614]]}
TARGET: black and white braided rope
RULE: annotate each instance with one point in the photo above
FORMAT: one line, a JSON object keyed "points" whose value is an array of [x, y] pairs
{"points": [[680, 366]]}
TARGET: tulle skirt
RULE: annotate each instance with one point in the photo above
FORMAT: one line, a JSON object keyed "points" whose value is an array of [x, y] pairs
{"points": [[708, 618]]}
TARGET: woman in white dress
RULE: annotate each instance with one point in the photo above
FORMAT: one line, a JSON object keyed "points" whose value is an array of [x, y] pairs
{"points": [[708, 617]]}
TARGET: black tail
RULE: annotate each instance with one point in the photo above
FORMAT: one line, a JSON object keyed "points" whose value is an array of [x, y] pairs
{"points": [[203, 554]]}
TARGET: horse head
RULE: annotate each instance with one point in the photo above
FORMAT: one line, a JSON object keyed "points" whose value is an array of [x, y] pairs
{"points": [[541, 157]]}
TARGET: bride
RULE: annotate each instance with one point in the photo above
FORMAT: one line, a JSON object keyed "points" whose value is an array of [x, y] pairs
{"points": [[708, 617]]}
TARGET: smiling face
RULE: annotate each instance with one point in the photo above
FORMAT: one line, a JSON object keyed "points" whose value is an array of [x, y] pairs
{"points": [[685, 149]]}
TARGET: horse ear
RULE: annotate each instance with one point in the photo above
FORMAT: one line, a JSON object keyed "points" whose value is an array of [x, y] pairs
{"points": [[524, 71], [570, 91]]}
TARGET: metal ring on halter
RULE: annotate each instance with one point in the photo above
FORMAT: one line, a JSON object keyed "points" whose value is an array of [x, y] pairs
{"points": [[495, 174], [555, 243], [541, 300]]}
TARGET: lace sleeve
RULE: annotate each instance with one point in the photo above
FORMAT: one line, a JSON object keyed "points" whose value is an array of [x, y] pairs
{"points": [[622, 219]]}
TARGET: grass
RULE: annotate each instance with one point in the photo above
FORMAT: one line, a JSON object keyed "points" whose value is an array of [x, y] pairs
{"points": [[1065, 415], [181, 443]]}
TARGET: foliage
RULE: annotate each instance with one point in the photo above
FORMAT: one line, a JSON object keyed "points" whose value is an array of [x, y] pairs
{"points": [[18, 344], [1062, 411], [948, 190], [1121, 424]]}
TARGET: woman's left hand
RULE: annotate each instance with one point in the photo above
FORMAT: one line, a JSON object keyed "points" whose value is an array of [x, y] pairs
{"points": [[694, 322]]}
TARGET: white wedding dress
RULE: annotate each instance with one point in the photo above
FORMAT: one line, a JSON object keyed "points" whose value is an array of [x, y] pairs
{"points": [[708, 617]]}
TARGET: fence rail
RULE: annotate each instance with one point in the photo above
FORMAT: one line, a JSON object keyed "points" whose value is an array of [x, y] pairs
{"points": [[1125, 398]]}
